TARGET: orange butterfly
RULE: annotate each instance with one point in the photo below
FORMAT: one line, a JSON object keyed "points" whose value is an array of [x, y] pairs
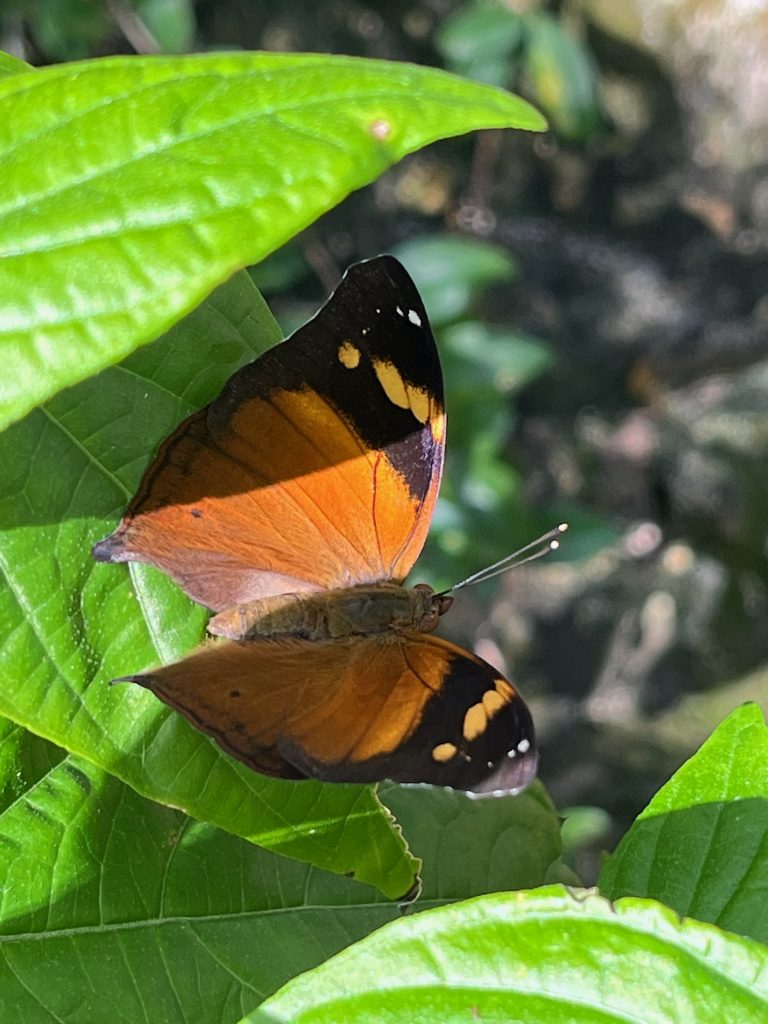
{"points": [[294, 505]]}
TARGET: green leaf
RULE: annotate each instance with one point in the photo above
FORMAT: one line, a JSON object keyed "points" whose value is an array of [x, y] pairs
{"points": [[479, 354], [584, 826], [480, 41], [563, 78], [69, 29], [450, 269], [114, 908], [109, 900], [470, 846], [170, 22], [10, 65], [476, 33], [701, 845], [24, 758], [544, 957], [185, 169], [66, 474]]}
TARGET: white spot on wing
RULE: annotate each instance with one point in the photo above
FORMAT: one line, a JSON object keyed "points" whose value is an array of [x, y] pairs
{"points": [[523, 746], [399, 311], [414, 317]]}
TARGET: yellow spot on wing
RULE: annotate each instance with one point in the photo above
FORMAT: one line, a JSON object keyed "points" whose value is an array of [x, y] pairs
{"points": [[394, 387], [349, 355], [493, 702], [401, 394], [444, 752], [475, 722]]}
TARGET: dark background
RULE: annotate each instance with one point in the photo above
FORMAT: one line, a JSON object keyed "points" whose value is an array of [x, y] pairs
{"points": [[600, 297]]}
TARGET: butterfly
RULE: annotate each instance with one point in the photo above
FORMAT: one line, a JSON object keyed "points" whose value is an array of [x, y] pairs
{"points": [[294, 506]]}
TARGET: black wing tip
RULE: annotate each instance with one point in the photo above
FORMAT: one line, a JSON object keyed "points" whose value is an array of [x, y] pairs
{"points": [[383, 259], [389, 266]]}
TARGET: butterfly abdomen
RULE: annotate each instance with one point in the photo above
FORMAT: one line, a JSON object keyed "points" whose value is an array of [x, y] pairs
{"points": [[332, 614]]}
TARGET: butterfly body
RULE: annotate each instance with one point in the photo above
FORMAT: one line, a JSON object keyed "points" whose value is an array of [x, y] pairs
{"points": [[333, 614], [294, 506]]}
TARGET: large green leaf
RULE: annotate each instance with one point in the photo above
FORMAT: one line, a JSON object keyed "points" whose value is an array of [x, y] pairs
{"points": [[114, 908], [70, 625], [546, 957], [132, 186], [109, 900], [701, 845]]}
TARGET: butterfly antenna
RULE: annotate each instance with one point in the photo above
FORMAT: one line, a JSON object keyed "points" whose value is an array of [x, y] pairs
{"points": [[549, 541]]}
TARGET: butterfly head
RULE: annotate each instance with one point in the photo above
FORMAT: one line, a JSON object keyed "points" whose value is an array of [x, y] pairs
{"points": [[434, 605]]}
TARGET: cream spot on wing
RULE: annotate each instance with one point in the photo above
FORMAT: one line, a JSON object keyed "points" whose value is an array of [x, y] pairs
{"points": [[414, 317], [524, 746], [394, 388], [493, 702], [349, 355], [475, 722], [444, 752], [406, 396]]}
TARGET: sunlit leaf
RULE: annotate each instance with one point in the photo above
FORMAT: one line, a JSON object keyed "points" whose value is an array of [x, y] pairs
{"points": [[184, 169], [543, 957], [701, 845]]}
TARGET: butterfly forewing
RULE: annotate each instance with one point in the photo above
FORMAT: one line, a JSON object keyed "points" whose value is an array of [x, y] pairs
{"points": [[318, 465]]}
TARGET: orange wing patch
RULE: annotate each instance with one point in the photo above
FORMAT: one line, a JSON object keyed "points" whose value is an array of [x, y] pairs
{"points": [[289, 500]]}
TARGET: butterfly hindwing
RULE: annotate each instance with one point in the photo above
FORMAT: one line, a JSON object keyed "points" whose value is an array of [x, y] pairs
{"points": [[409, 707], [317, 466]]}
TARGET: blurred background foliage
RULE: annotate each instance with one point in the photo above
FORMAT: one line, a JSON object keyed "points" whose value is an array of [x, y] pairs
{"points": [[600, 297]]}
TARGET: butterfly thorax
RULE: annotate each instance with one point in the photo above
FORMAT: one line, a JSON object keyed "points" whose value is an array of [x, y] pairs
{"points": [[333, 614]]}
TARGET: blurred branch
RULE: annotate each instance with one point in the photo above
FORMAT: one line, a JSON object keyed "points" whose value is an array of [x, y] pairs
{"points": [[133, 28]]}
